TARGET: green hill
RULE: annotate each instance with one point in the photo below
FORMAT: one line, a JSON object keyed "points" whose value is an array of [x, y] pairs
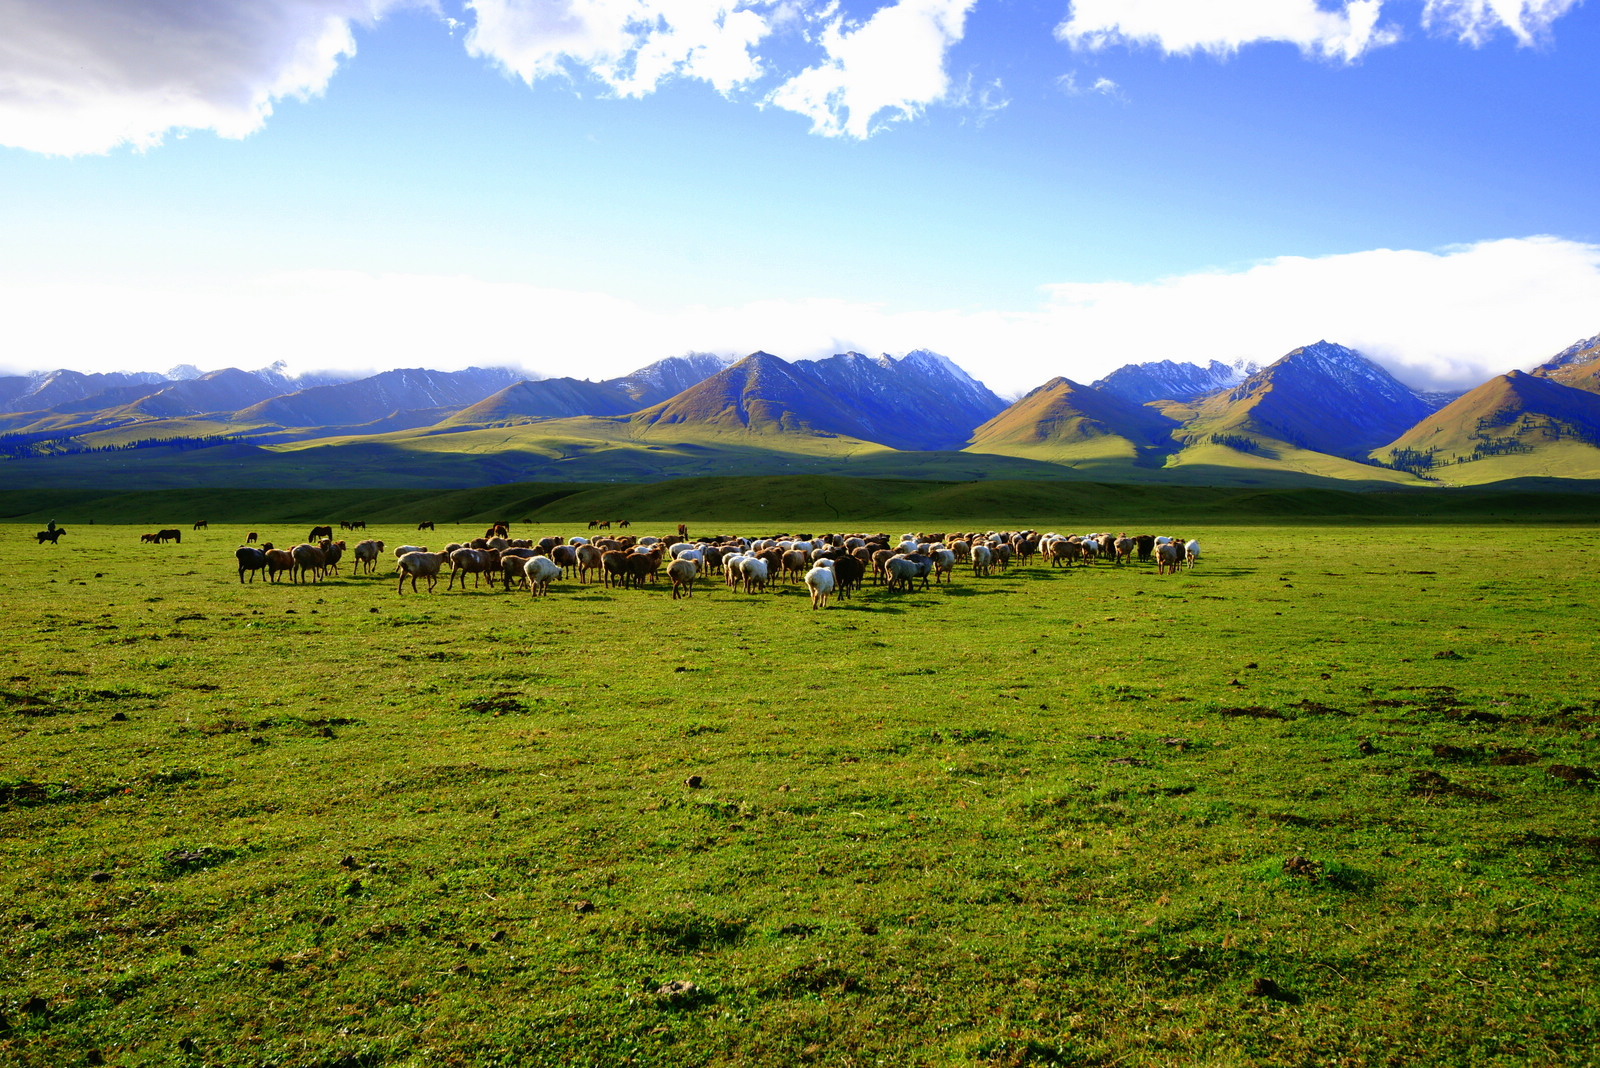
{"points": [[1065, 422]]}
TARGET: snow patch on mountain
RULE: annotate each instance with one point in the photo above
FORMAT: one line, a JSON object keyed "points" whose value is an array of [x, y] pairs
{"points": [[1168, 380]]}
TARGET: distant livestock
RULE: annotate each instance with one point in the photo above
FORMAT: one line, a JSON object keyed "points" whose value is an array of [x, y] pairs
{"points": [[318, 533], [426, 524], [51, 536], [201, 525], [172, 534]]}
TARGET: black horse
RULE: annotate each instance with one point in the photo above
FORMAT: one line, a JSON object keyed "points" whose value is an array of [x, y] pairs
{"points": [[52, 535]]}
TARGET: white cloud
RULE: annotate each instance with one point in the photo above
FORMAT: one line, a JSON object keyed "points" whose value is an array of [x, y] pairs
{"points": [[1476, 21], [893, 62], [87, 76], [1222, 27], [631, 45], [1068, 83], [1438, 319]]}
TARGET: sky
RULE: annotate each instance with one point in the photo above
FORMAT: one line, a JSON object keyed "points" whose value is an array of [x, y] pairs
{"points": [[581, 187]]}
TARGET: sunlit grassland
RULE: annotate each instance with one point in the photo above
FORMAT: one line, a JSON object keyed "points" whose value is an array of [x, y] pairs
{"points": [[1042, 817]]}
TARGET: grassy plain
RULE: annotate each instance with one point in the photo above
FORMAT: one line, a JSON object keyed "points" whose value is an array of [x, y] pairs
{"points": [[1040, 818]]}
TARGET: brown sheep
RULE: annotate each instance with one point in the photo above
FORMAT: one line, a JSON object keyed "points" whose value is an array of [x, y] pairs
{"points": [[682, 573], [279, 560], [475, 562]]}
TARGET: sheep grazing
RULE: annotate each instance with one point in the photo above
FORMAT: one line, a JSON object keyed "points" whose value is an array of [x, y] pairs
{"points": [[982, 560], [1167, 558], [513, 571], [565, 557], [333, 551], [419, 565], [307, 559], [1191, 554], [944, 565], [820, 581], [1124, 546], [474, 562], [250, 559], [614, 567], [540, 571], [682, 572], [366, 556], [406, 550], [900, 570]]}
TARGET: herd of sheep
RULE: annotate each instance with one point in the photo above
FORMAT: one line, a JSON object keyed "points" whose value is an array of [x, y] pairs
{"points": [[826, 564]]}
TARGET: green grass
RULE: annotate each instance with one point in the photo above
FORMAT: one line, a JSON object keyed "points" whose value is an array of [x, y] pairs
{"points": [[1042, 818]]}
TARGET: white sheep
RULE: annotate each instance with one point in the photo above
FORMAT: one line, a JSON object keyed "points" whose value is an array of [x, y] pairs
{"points": [[982, 559], [1191, 554], [540, 571], [819, 580], [754, 570]]}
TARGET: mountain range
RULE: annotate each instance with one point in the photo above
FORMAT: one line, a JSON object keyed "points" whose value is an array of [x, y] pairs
{"points": [[1320, 414]]}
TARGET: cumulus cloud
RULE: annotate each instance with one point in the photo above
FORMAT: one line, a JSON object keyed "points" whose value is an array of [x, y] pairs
{"points": [[1222, 27], [1438, 319], [1476, 21], [631, 45], [87, 76], [894, 62]]}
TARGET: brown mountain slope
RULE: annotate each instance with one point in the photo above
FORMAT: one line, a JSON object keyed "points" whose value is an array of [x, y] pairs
{"points": [[1511, 414], [760, 394], [1062, 415]]}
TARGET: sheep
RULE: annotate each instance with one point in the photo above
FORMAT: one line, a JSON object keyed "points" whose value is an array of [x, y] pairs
{"points": [[1167, 558], [333, 551], [944, 563], [641, 566], [1191, 554], [900, 570], [307, 558], [279, 560], [576, 541], [419, 565], [565, 557], [614, 567], [250, 559], [406, 550], [366, 556], [588, 560], [982, 560], [513, 570], [880, 565], [682, 572], [474, 562], [794, 564], [754, 569], [1124, 547], [1144, 544], [540, 571], [820, 581]]}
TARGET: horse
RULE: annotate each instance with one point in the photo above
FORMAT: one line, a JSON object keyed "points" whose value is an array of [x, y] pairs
{"points": [[51, 536], [426, 524], [201, 525]]}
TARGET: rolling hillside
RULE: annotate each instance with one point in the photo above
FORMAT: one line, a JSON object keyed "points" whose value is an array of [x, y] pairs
{"points": [[1514, 425], [1067, 422]]}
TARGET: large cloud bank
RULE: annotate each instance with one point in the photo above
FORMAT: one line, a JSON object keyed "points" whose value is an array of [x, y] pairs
{"points": [[1438, 319], [88, 76]]}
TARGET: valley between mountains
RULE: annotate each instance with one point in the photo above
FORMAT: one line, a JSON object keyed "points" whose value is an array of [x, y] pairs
{"points": [[1322, 414]]}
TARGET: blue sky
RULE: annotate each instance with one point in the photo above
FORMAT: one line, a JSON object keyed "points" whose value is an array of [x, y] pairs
{"points": [[1034, 188]]}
